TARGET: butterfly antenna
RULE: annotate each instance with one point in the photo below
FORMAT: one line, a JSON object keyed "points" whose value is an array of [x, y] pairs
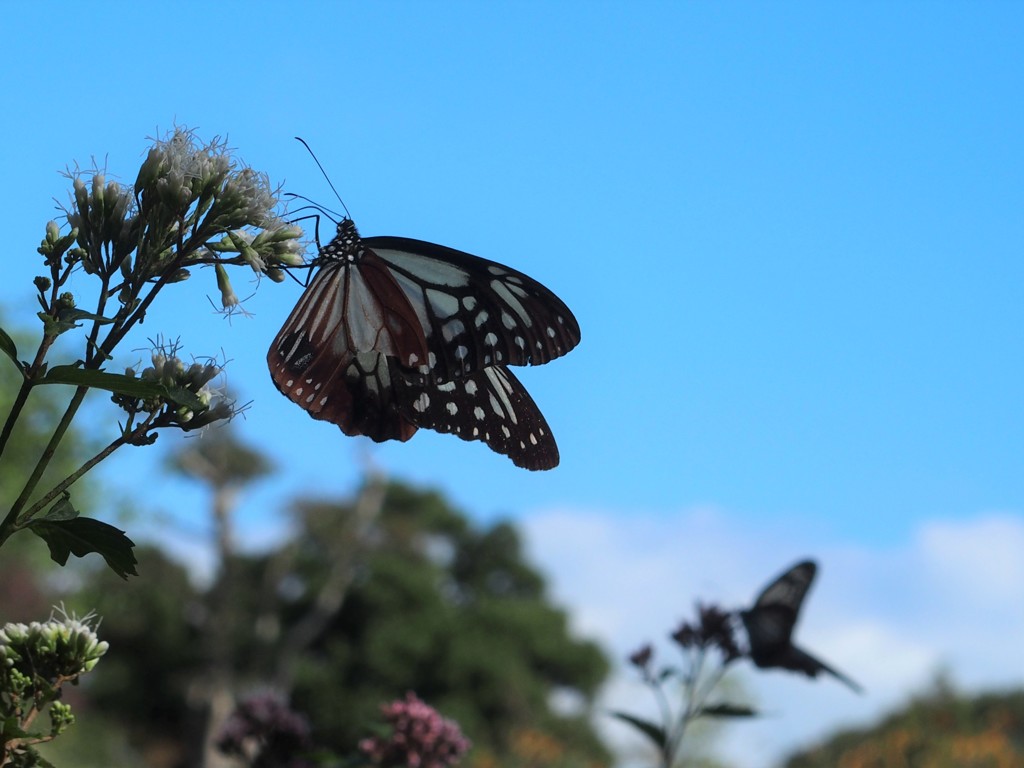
{"points": [[314, 205], [328, 178]]}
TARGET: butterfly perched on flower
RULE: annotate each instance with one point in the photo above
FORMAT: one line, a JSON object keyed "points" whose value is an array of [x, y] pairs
{"points": [[769, 624], [394, 334]]}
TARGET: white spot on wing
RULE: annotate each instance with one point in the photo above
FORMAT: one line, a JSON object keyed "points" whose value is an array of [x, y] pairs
{"points": [[452, 328], [443, 304]]}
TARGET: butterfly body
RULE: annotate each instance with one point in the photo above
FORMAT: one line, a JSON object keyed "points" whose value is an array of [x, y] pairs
{"points": [[394, 334], [771, 620]]}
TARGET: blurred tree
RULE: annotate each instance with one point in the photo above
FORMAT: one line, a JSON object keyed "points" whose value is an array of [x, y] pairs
{"points": [[226, 465], [939, 729], [393, 591], [454, 613]]}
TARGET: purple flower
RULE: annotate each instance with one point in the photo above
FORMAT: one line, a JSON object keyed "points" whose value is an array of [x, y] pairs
{"points": [[712, 630], [420, 738], [266, 732]]}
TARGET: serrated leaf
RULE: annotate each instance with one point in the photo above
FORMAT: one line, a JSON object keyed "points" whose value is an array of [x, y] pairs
{"points": [[112, 382], [726, 710], [8, 347], [62, 510], [652, 731], [83, 535]]}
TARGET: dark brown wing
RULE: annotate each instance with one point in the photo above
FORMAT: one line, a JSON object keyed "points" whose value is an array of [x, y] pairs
{"points": [[329, 357]]}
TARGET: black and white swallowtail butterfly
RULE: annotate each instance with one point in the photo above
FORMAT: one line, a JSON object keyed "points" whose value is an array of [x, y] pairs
{"points": [[394, 334], [770, 623]]}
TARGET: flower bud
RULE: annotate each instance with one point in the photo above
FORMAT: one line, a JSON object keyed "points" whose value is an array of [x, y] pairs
{"points": [[228, 298]]}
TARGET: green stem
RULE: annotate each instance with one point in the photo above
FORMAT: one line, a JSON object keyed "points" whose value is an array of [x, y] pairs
{"points": [[692, 699], [9, 524], [71, 479], [118, 332], [27, 382]]}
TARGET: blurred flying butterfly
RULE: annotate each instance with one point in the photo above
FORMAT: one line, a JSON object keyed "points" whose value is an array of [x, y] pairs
{"points": [[394, 334], [770, 623]]}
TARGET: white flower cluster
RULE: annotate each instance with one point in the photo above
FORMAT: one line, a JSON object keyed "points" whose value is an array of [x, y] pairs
{"points": [[65, 647]]}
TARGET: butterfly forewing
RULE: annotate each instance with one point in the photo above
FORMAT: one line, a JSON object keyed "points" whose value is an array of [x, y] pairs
{"points": [[476, 313], [790, 589], [770, 622], [490, 405], [347, 310]]}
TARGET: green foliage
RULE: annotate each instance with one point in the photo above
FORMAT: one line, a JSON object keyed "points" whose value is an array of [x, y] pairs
{"points": [[455, 614], [431, 604], [941, 729], [153, 625]]}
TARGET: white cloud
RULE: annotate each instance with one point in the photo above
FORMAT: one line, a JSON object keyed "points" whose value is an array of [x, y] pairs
{"points": [[952, 596]]}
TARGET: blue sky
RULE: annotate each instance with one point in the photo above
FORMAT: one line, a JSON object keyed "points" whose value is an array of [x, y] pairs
{"points": [[791, 234]]}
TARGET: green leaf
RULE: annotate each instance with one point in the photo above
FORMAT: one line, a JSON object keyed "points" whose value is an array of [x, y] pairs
{"points": [[62, 510], [53, 327], [726, 710], [112, 382], [83, 535], [185, 397], [654, 732], [67, 319], [70, 315], [8, 346]]}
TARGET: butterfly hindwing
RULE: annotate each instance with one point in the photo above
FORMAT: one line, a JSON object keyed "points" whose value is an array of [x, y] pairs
{"points": [[491, 406]]}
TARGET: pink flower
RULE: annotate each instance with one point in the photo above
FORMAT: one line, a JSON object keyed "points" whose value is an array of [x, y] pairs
{"points": [[420, 738]]}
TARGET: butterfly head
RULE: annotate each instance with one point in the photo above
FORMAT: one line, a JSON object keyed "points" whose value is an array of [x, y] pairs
{"points": [[346, 245]]}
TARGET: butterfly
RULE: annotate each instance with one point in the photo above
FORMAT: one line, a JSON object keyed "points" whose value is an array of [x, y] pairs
{"points": [[394, 334], [770, 623]]}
